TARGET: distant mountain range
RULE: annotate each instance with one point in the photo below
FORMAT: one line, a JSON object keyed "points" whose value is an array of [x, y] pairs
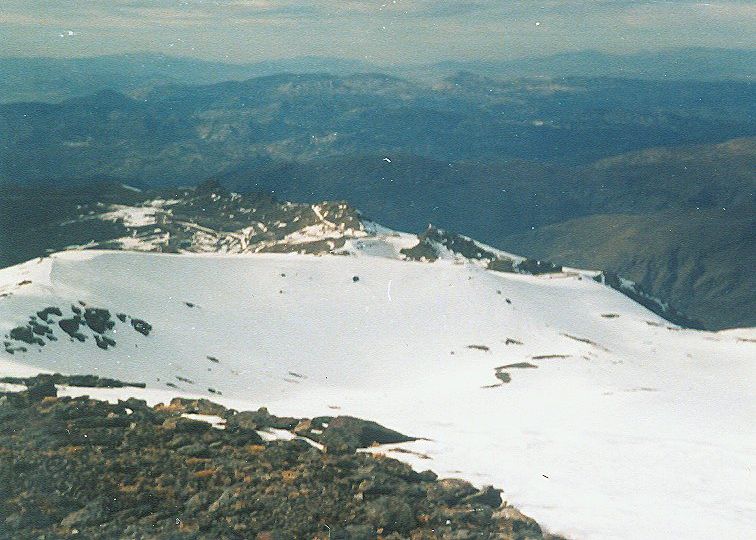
{"points": [[178, 134], [55, 79]]}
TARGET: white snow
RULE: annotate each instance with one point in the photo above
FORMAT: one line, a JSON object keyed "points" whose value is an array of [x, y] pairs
{"points": [[215, 421], [647, 432], [131, 216]]}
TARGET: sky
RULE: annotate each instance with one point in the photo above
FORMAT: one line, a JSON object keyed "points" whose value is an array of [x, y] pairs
{"points": [[381, 31]]}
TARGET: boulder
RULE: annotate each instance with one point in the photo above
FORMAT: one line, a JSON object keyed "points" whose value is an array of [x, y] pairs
{"points": [[392, 514], [451, 491], [349, 433]]}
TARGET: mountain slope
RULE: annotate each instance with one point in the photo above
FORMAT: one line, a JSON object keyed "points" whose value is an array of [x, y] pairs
{"points": [[509, 204], [597, 417], [209, 219], [702, 260]]}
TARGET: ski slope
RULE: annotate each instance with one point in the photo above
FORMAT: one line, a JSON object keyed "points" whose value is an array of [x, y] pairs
{"points": [[626, 426]]}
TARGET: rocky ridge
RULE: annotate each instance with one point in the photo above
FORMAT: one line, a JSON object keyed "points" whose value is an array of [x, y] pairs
{"points": [[210, 219]]}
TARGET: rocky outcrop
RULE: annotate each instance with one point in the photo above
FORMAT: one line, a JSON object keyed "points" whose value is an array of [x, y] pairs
{"points": [[77, 467]]}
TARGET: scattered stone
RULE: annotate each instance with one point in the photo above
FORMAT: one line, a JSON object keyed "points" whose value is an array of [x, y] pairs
{"points": [[104, 342], [69, 326], [40, 329], [143, 327], [43, 314], [98, 319], [518, 365], [26, 335], [85, 381]]}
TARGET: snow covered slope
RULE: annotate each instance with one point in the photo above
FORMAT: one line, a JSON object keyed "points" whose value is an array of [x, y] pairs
{"points": [[596, 417]]}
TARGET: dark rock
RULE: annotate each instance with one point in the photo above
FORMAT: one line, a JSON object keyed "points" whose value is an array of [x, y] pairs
{"points": [[194, 450], [187, 425], [502, 265], [98, 319], [422, 251], [104, 342], [69, 326], [392, 514], [450, 491], [536, 267], [43, 314], [487, 496], [127, 470], [143, 327], [347, 433], [260, 418], [41, 390], [355, 532], [197, 406], [25, 334], [517, 525], [91, 514]]}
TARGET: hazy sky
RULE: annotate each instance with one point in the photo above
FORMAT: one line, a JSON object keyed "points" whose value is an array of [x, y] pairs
{"points": [[380, 31]]}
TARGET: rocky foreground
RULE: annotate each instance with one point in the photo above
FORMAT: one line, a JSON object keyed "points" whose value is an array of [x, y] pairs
{"points": [[82, 468]]}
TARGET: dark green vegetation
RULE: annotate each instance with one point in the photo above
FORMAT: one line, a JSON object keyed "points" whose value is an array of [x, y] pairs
{"points": [[86, 468]]}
